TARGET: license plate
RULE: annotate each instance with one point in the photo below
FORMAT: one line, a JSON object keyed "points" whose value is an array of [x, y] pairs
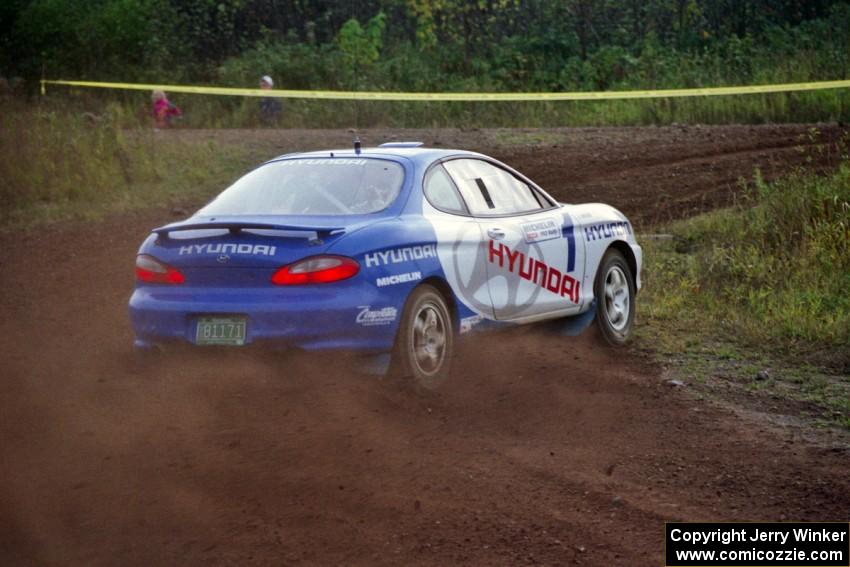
{"points": [[220, 331]]}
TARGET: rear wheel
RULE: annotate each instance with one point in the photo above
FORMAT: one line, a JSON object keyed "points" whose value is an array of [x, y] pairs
{"points": [[614, 289], [425, 340]]}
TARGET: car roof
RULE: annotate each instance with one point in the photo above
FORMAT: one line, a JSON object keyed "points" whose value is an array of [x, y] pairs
{"points": [[419, 155]]}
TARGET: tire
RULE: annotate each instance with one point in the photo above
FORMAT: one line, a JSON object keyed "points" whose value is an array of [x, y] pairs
{"points": [[425, 340], [614, 289]]}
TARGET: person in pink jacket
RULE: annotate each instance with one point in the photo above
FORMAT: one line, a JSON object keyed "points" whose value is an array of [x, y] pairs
{"points": [[163, 110]]}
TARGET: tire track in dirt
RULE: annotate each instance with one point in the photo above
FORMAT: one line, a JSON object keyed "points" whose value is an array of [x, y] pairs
{"points": [[653, 174], [659, 175]]}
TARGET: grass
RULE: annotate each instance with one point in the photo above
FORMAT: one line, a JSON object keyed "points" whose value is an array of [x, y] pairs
{"points": [[207, 111], [761, 285], [56, 165], [822, 106], [774, 269]]}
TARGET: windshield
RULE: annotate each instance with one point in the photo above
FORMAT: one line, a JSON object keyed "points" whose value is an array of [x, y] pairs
{"points": [[314, 186]]}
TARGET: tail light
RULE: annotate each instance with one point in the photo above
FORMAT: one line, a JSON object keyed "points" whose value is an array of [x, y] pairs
{"points": [[151, 270], [318, 269]]}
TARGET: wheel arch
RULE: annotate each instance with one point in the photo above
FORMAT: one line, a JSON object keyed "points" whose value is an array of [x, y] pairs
{"points": [[627, 252], [445, 290]]}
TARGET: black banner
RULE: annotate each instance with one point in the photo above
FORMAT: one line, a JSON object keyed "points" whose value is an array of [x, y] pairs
{"points": [[755, 544]]}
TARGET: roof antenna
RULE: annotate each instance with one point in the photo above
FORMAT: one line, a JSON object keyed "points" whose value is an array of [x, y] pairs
{"points": [[357, 145]]}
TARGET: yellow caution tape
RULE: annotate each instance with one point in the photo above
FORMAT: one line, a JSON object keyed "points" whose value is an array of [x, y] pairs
{"points": [[458, 97]]}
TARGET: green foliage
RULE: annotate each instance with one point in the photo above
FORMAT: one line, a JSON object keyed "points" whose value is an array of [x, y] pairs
{"points": [[359, 45], [523, 44], [94, 39], [446, 45], [360, 48], [772, 270]]}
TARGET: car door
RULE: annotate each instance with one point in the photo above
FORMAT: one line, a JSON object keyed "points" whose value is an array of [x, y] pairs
{"points": [[529, 251], [459, 239]]}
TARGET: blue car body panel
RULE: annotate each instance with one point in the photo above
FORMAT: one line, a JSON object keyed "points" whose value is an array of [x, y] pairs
{"points": [[228, 263]]}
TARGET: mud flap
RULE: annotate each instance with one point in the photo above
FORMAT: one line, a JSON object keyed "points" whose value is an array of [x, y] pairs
{"points": [[574, 326], [145, 346], [376, 365]]}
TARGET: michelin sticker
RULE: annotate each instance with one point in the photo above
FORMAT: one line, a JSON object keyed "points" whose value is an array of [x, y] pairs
{"points": [[538, 231], [398, 279], [369, 317]]}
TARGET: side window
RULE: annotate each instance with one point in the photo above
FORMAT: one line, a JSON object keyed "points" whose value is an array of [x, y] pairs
{"points": [[441, 192], [490, 190]]}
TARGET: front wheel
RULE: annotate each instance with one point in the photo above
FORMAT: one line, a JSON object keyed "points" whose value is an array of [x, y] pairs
{"points": [[425, 340], [614, 289]]}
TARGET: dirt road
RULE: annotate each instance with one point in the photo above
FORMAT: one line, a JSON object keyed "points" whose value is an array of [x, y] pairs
{"points": [[651, 174], [540, 450]]}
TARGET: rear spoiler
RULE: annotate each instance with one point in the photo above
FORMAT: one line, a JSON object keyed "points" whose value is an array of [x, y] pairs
{"points": [[237, 227]]}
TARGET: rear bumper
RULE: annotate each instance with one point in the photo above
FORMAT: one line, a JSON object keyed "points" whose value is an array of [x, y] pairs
{"points": [[305, 317]]}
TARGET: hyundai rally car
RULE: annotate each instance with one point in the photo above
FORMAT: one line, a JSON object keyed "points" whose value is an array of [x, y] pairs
{"points": [[391, 251]]}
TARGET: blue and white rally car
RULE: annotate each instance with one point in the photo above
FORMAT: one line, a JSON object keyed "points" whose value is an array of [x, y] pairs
{"points": [[391, 251]]}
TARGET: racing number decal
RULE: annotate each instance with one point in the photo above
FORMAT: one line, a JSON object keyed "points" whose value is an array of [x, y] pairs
{"points": [[569, 234]]}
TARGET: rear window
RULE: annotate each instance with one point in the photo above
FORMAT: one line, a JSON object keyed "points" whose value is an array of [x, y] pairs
{"points": [[312, 186]]}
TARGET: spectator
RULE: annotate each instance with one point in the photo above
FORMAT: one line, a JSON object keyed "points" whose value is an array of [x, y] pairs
{"points": [[163, 110], [269, 106]]}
